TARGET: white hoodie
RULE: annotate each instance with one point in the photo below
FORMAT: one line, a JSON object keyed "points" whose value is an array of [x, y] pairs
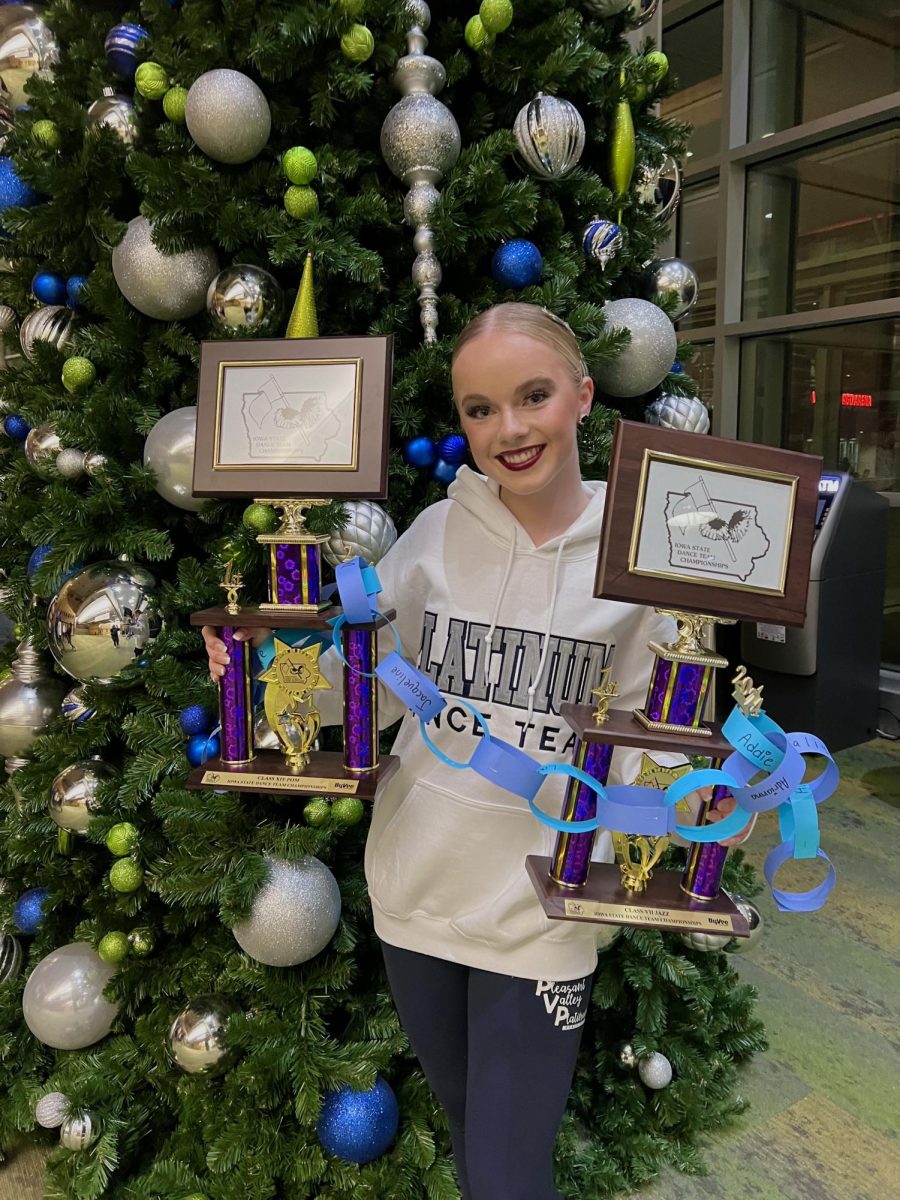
{"points": [[514, 629]]}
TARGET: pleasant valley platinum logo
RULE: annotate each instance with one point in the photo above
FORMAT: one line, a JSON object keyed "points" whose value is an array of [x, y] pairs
{"points": [[566, 1003], [709, 534]]}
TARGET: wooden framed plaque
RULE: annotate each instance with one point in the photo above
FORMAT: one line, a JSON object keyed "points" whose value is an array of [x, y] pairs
{"points": [[294, 417], [708, 525]]}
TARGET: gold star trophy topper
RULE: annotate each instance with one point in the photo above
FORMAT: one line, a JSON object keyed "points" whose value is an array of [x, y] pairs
{"points": [[290, 680], [655, 775], [748, 697], [232, 584], [605, 691]]}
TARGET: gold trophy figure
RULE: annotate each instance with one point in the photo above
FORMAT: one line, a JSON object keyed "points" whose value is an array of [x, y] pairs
{"points": [[232, 584], [290, 681]]}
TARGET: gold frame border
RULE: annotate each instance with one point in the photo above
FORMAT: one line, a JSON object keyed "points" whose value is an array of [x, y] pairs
{"points": [[722, 469]]}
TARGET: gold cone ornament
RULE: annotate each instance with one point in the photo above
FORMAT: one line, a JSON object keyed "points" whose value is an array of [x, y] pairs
{"points": [[303, 321]]}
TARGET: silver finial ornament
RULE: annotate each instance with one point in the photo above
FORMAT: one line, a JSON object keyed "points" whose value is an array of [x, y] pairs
{"points": [[420, 142]]}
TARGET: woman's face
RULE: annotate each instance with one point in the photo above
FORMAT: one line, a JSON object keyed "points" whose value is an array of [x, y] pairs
{"points": [[519, 406]]}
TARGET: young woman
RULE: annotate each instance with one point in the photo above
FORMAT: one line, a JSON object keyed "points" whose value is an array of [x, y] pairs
{"points": [[493, 591]]}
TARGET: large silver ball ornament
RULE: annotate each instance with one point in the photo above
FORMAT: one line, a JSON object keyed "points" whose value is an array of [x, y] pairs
{"points": [[228, 116], [645, 361], [73, 794], [197, 1036], [245, 300], [63, 1001], [116, 112], [169, 287], [678, 412], [51, 324], [369, 533], [660, 186], [670, 279], [754, 919], [102, 620], [10, 957], [294, 916], [51, 1110], [29, 700], [655, 1071], [169, 453], [27, 47], [78, 1132], [41, 448], [420, 139], [549, 133]]}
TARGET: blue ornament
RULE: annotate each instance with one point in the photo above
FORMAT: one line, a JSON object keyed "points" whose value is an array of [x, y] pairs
{"points": [[38, 554], [195, 719], [14, 192], [28, 911], [676, 368], [452, 448], [601, 241], [48, 287], [517, 264], [444, 472], [359, 1126], [75, 285], [121, 46], [201, 747], [420, 452], [17, 427]]}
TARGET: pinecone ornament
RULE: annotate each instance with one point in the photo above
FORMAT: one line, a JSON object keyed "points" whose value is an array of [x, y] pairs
{"points": [[369, 532], [678, 412]]}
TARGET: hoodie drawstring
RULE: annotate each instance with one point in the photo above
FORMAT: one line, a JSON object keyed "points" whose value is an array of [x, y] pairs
{"points": [[503, 582], [535, 683]]}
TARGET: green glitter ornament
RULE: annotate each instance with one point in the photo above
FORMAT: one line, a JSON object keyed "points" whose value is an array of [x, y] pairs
{"points": [[174, 103], [301, 202], [151, 80], [141, 942], [122, 839], [125, 875], [260, 518], [299, 165], [114, 947], [347, 810], [46, 133], [317, 812], [496, 15], [78, 374], [357, 44], [477, 37]]}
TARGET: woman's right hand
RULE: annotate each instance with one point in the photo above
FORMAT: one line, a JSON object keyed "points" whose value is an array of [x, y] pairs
{"points": [[217, 651]]}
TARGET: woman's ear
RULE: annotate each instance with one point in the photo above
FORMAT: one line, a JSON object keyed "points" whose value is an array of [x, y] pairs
{"points": [[586, 396]]}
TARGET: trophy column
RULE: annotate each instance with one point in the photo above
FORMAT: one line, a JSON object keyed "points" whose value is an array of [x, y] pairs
{"points": [[359, 644], [235, 701], [295, 560]]}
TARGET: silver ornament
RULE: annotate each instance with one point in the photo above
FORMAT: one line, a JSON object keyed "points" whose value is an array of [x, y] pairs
{"points": [[754, 918], [27, 48], [70, 463], [94, 462], [116, 112], [707, 942], [678, 412], [601, 241], [51, 324], [627, 1056], [420, 142], [246, 300], [197, 1036], [264, 736], [655, 1071], [641, 11], [660, 186], [228, 116], [29, 700], [73, 794], [102, 620], [75, 707], [78, 1132], [10, 957], [607, 8], [41, 447], [644, 362], [294, 916], [169, 453], [549, 133], [369, 533], [51, 1110], [63, 1002], [670, 279], [10, 351], [168, 287]]}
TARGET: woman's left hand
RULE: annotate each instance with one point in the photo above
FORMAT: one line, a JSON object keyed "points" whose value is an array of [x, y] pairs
{"points": [[723, 809]]}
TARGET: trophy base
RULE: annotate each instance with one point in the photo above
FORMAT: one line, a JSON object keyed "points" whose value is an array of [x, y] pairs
{"points": [[667, 726], [325, 775], [603, 900], [305, 609], [259, 616]]}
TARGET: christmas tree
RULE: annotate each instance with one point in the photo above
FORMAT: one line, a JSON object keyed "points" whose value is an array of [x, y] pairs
{"points": [[151, 157]]}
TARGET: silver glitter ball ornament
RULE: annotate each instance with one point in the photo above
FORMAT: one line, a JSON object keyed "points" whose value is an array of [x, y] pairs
{"points": [[369, 533], [754, 918], [419, 204], [41, 448], [420, 139], [707, 942], [94, 462], [169, 287], [197, 1036], [51, 324], [670, 279], [51, 1110], [29, 700], [102, 620], [10, 957], [655, 1071], [73, 794], [549, 133], [678, 412], [78, 1132], [660, 186], [70, 463], [246, 300], [27, 48], [228, 116], [116, 112], [641, 11], [644, 362], [294, 916]]}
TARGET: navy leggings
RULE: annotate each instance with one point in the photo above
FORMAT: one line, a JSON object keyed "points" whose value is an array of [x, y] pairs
{"points": [[499, 1053]]}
